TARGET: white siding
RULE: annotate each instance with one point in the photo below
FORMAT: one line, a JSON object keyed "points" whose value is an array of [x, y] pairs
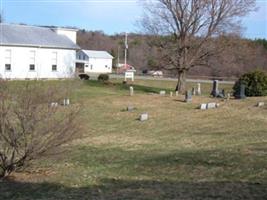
{"points": [[71, 34], [22, 57], [99, 65]]}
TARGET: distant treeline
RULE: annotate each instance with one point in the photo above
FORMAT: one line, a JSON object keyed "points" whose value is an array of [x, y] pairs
{"points": [[239, 55]]}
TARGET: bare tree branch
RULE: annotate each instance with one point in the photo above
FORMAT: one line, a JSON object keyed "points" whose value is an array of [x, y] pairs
{"points": [[190, 25]]}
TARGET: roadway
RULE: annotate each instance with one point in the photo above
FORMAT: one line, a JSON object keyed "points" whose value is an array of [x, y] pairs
{"points": [[116, 76]]}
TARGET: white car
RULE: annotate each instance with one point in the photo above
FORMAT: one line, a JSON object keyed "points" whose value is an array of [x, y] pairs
{"points": [[156, 73]]}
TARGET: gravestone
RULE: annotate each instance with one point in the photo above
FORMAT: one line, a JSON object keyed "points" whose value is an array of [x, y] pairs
{"points": [[143, 117], [171, 94], [211, 105], [66, 102], [176, 93], [162, 93], [215, 88], [241, 92], [223, 92], [203, 106], [193, 91], [198, 89], [188, 96], [130, 108], [54, 104], [228, 97], [260, 104], [131, 91]]}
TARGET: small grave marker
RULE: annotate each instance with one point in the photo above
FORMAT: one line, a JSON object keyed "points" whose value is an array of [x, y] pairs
{"points": [[193, 91], [131, 91], [203, 106], [176, 93], [260, 104], [211, 105], [162, 93], [66, 102], [143, 117], [207, 106], [188, 96], [198, 89], [171, 94], [130, 108], [228, 97]]}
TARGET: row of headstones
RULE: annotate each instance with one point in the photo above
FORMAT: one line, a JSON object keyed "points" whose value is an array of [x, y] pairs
{"points": [[215, 92], [66, 102], [163, 93], [144, 116], [221, 93]]}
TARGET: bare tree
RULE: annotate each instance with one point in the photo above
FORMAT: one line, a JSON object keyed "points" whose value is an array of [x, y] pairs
{"points": [[31, 125], [189, 27]]}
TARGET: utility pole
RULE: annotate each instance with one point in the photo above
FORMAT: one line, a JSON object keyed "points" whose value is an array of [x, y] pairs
{"points": [[118, 64], [126, 48]]}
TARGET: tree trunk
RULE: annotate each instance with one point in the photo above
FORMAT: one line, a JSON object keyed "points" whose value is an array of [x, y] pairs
{"points": [[181, 84]]}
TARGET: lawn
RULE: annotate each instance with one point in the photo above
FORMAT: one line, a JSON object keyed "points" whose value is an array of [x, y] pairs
{"points": [[181, 152]]}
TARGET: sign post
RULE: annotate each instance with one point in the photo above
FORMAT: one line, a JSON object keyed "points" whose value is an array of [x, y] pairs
{"points": [[129, 74]]}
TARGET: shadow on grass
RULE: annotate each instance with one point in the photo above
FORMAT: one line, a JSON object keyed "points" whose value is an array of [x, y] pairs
{"points": [[134, 189], [121, 86]]}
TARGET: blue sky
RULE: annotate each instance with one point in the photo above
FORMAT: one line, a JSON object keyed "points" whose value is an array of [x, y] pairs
{"points": [[111, 16]]}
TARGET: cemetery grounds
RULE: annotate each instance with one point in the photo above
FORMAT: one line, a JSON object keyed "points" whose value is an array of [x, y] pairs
{"points": [[181, 152]]}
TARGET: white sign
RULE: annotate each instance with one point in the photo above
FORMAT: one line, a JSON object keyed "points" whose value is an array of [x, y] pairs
{"points": [[129, 75]]}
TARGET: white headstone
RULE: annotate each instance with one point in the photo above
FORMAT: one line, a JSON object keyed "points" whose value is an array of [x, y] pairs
{"points": [[228, 96], [177, 93], [211, 105], [130, 108], [198, 89], [193, 91], [143, 117], [203, 106], [131, 91], [162, 93], [260, 104], [171, 94], [66, 102]]}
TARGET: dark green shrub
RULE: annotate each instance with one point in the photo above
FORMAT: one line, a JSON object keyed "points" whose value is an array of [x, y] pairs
{"points": [[84, 76], [103, 77], [255, 82]]}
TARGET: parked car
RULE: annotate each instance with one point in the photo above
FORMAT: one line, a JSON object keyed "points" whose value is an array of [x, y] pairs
{"points": [[123, 68], [156, 73]]}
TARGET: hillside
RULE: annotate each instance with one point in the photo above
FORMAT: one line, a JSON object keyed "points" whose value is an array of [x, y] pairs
{"points": [[240, 55]]}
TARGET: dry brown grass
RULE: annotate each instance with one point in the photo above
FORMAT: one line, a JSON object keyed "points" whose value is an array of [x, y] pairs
{"points": [[181, 152]]}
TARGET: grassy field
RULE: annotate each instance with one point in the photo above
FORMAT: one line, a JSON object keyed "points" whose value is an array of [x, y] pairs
{"points": [[179, 153]]}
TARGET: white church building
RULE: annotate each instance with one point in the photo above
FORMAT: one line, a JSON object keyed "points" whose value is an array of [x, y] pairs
{"points": [[32, 52]]}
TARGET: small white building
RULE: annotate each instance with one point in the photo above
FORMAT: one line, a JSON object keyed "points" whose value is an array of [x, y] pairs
{"points": [[31, 52], [94, 62]]}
